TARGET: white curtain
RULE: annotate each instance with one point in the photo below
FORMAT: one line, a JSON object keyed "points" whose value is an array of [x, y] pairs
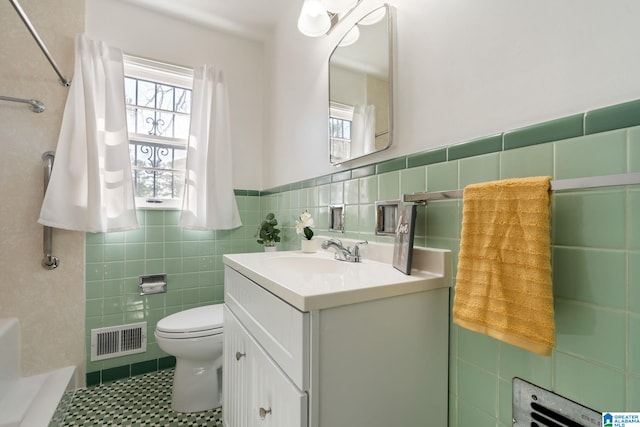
{"points": [[91, 186], [363, 129], [209, 202]]}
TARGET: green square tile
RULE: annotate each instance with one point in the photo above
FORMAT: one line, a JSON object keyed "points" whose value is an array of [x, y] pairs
{"points": [[94, 238], [479, 169], [389, 185], [413, 180], [634, 214], [172, 217], [113, 305], [591, 276], [93, 378], [363, 171], [154, 266], [166, 362], [341, 176], [154, 250], [634, 343], [134, 268], [427, 158], [173, 234], [634, 149], [114, 270], [478, 388], [368, 189], [135, 236], [595, 219], [634, 281], [612, 117], [592, 155], [94, 253], [93, 290], [155, 234], [443, 219], [532, 367], [154, 217], [634, 394], [114, 237], [352, 192], [391, 165], [490, 144], [554, 130], [324, 195], [470, 415], [115, 373], [478, 349], [144, 367], [352, 218], [173, 250], [337, 193], [367, 218], [591, 332], [536, 160], [114, 252], [591, 384], [113, 288], [134, 251], [442, 176]]}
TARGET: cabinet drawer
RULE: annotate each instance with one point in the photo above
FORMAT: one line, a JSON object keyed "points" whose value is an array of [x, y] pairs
{"points": [[281, 329]]}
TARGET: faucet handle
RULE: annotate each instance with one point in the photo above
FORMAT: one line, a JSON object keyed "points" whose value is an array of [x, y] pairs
{"points": [[355, 251]]}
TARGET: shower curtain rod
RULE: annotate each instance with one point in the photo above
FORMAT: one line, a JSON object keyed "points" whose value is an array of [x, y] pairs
{"points": [[63, 80], [556, 185], [36, 106]]}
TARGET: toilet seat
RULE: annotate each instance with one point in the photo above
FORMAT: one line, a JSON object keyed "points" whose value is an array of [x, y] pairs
{"points": [[193, 323]]}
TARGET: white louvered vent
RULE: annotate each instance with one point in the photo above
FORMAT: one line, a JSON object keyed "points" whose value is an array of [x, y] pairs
{"points": [[116, 341]]}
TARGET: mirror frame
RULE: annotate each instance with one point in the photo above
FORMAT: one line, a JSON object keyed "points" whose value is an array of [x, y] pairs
{"points": [[390, 43]]}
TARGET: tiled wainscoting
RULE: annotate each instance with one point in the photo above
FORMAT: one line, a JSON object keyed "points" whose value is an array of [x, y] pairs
{"points": [[596, 257]]}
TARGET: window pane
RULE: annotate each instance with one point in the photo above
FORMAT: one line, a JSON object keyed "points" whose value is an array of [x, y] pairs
{"points": [[130, 91], [183, 100], [146, 94], [181, 127], [164, 97]]}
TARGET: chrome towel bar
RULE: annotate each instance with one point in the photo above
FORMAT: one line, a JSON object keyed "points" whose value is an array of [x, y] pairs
{"points": [[36, 106], [556, 185]]}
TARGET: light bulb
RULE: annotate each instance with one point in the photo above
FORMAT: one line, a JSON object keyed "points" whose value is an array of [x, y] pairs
{"points": [[314, 20]]}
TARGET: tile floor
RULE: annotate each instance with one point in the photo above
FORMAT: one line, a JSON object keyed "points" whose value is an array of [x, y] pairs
{"points": [[137, 401]]}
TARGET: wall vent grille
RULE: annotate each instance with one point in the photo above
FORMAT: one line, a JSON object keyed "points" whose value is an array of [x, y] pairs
{"points": [[116, 341], [536, 407]]}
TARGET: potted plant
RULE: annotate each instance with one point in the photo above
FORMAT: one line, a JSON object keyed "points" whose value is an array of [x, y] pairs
{"points": [[303, 226], [268, 234]]}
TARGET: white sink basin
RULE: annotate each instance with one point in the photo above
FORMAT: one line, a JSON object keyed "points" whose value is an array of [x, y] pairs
{"points": [[308, 264], [317, 281]]}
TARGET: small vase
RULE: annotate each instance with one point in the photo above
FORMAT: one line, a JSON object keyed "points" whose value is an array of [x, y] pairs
{"points": [[308, 246], [270, 248]]}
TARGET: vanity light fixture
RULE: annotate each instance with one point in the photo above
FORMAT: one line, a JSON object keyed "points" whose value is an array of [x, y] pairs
{"points": [[317, 17], [354, 33]]}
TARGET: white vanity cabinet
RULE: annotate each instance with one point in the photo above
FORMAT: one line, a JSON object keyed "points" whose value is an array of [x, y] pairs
{"points": [[378, 362]]}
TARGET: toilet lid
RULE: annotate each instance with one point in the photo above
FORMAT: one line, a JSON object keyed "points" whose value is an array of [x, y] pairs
{"points": [[193, 320]]}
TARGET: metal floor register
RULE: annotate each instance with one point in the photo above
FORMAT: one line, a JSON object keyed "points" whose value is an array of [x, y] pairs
{"points": [[535, 407]]}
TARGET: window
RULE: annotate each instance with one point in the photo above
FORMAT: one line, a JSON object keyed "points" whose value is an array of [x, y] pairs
{"points": [[340, 118], [158, 102]]}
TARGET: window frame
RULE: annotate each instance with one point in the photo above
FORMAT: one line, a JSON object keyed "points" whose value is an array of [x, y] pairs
{"points": [[171, 75]]}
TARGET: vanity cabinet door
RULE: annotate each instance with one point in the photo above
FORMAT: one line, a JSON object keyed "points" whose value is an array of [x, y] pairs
{"points": [[256, 392], [235, 377], [275, 400]]}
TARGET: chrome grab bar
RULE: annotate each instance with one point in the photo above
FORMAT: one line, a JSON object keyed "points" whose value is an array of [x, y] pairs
{"points": [[49, 261]]}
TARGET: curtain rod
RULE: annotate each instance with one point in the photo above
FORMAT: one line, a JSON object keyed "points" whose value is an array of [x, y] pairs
{"points": [[63, 80], [36, 106], [556, 185]]}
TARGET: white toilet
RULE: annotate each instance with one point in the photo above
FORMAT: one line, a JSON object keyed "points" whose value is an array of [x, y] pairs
{"points": [[194, 337]]}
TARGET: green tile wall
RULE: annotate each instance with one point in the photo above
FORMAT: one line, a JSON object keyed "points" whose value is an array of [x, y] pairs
{"points": [[595, 250]]}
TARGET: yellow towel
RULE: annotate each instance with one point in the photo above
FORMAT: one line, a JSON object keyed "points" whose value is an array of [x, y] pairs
{"points": [[503, 286]]}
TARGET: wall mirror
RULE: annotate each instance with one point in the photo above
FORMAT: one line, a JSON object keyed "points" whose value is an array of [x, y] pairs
{"points": [[361, 89]]}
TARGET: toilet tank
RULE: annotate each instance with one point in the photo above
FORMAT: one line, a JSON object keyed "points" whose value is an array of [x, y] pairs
{"points": [[10, 344]]}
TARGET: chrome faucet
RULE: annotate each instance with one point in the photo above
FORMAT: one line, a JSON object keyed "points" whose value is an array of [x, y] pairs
{"points": [[342, 253]]}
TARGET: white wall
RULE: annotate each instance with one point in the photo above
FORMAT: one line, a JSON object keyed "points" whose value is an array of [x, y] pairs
{"points": [[49, 304], [464, 69], [156, 36]]}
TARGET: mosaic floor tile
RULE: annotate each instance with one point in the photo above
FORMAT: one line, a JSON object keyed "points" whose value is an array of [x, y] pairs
{"points": [[137, 401]]}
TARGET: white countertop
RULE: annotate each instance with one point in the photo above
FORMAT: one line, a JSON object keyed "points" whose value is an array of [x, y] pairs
{"points": [[317, 281]]}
